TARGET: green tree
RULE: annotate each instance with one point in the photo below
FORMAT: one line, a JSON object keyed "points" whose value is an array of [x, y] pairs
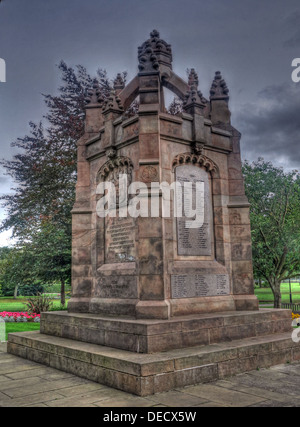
{"points": [[51, 247], [16, 271], [274, 196]]}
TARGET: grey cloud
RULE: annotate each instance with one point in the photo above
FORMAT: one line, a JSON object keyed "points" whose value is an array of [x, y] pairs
{"points": [[3, 180], [271, 127], [292, 23], [294, 41]]}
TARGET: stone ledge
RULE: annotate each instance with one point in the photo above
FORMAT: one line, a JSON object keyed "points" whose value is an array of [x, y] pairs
{"points": [[148, 374], [150, 336]]}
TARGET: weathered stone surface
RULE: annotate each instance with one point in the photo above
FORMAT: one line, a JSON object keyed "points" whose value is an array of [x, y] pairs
{"points": [[200, 146], [150, 336], [274, 386], [147, 374]]}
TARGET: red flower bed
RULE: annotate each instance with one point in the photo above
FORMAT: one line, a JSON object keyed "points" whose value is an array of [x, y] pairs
{"points": [[16, 315]]}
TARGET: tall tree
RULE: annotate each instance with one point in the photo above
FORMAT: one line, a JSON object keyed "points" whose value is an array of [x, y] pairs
{"points": [[274, 196]]}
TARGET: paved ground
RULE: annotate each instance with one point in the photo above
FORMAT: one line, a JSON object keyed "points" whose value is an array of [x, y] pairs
{"points": [[25, 383]]}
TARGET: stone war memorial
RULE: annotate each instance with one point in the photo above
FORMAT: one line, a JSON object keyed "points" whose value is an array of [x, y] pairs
{"points": [[157, 304]]}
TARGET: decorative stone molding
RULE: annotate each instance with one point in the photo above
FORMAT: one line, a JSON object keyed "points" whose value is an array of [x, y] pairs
{"points": [[93, 97], [119, 82], [111, 170], [111, 153], [153, 52], [193, 78], [197, 148], [113, 103], [219, 89], [149, 173], [197, 160], [193, 96]]}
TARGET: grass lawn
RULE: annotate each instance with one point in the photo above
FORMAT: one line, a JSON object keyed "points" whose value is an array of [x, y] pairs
{"points": [[11, 304], [16, 305], [265, 294], [21, 327]]}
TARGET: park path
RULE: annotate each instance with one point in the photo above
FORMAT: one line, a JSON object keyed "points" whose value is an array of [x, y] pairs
{"points": [[26, 383]]}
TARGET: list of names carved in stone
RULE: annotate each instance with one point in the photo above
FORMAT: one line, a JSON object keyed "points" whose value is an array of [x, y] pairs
{"points": [[120, 239], [194, 241], [199, 285]]}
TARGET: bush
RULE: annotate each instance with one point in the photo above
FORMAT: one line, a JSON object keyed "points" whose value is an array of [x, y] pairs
{"points": [[39, 304], [32, 289]]}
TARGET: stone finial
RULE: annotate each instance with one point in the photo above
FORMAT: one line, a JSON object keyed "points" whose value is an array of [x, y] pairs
{"points": [[193, 96], [113, 103], [119, 82], [153, 52], [193, 78], [219, 89], [94, 95]]}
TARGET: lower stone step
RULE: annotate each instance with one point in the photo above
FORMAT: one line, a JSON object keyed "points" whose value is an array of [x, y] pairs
{"points": [[146, 374]]}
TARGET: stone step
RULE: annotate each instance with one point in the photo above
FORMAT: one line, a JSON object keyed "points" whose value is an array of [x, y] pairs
{"points": [[146, 374], [150, 336]]}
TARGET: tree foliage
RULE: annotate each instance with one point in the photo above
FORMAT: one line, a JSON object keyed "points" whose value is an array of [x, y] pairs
{"points": [[274, 196], [17, 273]]}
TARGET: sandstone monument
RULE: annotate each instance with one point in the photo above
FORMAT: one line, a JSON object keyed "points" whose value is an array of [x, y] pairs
{"points": [[156, 305]]}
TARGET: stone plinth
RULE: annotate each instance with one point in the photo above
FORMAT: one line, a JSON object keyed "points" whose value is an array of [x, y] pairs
{"points": [[151, 336], [146, 374]]}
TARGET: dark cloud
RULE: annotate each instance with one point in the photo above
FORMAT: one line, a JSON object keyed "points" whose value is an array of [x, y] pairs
{"points": [[271, 126], [252, 42], [292, 24]]}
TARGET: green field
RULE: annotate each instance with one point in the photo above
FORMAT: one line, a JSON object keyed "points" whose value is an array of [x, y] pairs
{"points": [[266, 295], [21, 327], [12, 305], [16, 305]]}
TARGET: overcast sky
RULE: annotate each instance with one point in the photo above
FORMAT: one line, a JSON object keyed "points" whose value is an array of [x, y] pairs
{"points": [[252, 42]]}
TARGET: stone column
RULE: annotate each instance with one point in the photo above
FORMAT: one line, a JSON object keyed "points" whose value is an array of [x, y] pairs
{"points": [[83, 233], [152, 302]]}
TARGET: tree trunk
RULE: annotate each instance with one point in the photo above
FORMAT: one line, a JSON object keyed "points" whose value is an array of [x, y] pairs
{"points": [[277, 300], [16, 291], [62, 292], [259, 283], [277, 293]]}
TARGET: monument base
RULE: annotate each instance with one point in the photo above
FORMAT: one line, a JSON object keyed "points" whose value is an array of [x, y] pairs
{"points": [[146, 374], [151, 336], [165, 309], [185, 350]]}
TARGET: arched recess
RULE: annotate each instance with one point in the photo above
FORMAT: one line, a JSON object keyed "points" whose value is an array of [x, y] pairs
{"points": [[197, 160], [199, 241], [115, 166], [111, 247]]}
